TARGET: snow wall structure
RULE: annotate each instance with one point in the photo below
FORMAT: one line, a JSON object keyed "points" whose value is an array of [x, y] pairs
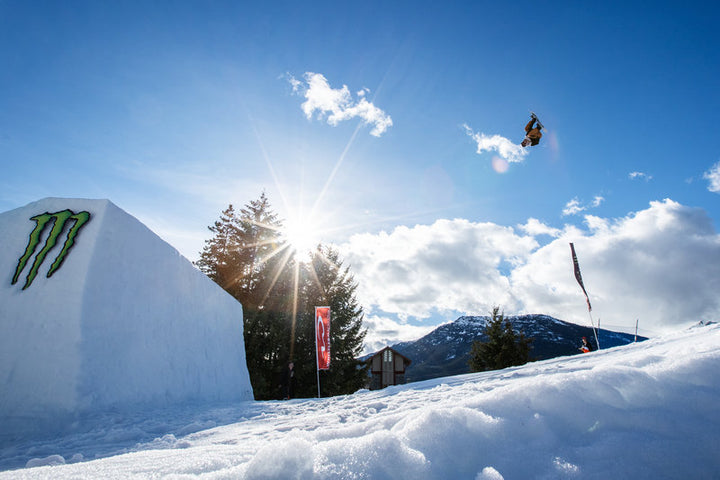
{"points": [[97, 313]]}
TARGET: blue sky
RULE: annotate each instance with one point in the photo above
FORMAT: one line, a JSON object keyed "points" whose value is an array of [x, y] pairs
{"points": [[173, 110]]}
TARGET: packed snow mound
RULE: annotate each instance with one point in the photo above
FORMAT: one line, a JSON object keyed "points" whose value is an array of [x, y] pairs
{"points": [[643, 411], [98, 312]]}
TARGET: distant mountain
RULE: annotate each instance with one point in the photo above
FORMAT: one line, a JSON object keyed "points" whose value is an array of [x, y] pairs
{"points": [[446, 350]]}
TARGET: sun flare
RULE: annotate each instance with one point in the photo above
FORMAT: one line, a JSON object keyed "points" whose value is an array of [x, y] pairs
{"points": [[302, 236]]}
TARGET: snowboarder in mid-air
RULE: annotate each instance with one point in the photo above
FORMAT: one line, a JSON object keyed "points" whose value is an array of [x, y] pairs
{"points": [[533, 131]]}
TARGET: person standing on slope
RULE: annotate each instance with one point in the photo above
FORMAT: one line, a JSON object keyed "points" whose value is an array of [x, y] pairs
{"points": [[586, 346], [287, 382]]}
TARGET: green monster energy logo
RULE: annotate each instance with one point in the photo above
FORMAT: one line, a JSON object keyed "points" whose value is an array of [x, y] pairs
{"points": [[59, 220]]}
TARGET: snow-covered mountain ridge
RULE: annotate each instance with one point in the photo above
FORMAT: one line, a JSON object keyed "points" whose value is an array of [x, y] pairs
{"points": [[446, 350]]}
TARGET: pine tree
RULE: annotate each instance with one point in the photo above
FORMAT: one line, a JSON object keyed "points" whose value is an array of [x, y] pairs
{"points": [[279, 294], [327, 283], [219, 258], [242, 257], [266, 350], [259, 241], [503, 347], [243, 253]]}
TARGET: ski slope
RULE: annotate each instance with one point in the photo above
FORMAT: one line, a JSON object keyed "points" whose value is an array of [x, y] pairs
{"points": [[643, 411]]}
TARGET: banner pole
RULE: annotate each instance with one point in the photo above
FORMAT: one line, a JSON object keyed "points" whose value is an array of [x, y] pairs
{"points": [[636, 328], [597, 342], [317, 355]]}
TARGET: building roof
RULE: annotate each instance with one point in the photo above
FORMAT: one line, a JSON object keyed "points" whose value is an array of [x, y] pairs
{"points": [[380, 352]]}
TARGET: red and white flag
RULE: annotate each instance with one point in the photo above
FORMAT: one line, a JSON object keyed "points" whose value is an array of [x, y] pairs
{"points": [[322, 337]]}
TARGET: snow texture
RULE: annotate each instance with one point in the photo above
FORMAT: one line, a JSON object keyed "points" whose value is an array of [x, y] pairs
{"points": [[642, 411], [125, 323]]}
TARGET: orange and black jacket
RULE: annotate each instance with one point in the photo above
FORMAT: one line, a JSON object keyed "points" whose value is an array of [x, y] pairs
{"points": [[533, 134]]}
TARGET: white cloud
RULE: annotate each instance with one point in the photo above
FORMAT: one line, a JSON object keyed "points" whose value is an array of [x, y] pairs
{"points": [[337, 104], [384, 331], [535, 227], [660, 265], [294, 82], [451, 265], [506, 149], [573, 207], [640, 175], [713, 176]]}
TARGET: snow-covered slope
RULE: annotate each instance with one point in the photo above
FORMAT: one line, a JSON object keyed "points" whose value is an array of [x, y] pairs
{"points": [[124, 322], [643, 411]]}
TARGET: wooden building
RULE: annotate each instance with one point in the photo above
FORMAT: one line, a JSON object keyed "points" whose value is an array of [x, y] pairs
{"points": [[387, 367]]}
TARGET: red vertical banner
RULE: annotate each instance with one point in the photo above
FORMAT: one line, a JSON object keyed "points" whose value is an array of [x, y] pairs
{"points": [[322, 337]]}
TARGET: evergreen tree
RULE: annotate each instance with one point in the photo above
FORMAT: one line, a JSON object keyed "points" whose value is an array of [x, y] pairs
{"points": [[243, 258], [325, 282], [266, 350], [219, 258], [279, 294], [259, 246], [243, 253], [503, 347]]}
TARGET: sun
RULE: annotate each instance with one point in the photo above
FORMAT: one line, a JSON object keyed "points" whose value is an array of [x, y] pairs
{"points": [[302, 236]]}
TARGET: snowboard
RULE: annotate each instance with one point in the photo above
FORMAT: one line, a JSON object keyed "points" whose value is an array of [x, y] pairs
{"points": [[537, 120]]}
